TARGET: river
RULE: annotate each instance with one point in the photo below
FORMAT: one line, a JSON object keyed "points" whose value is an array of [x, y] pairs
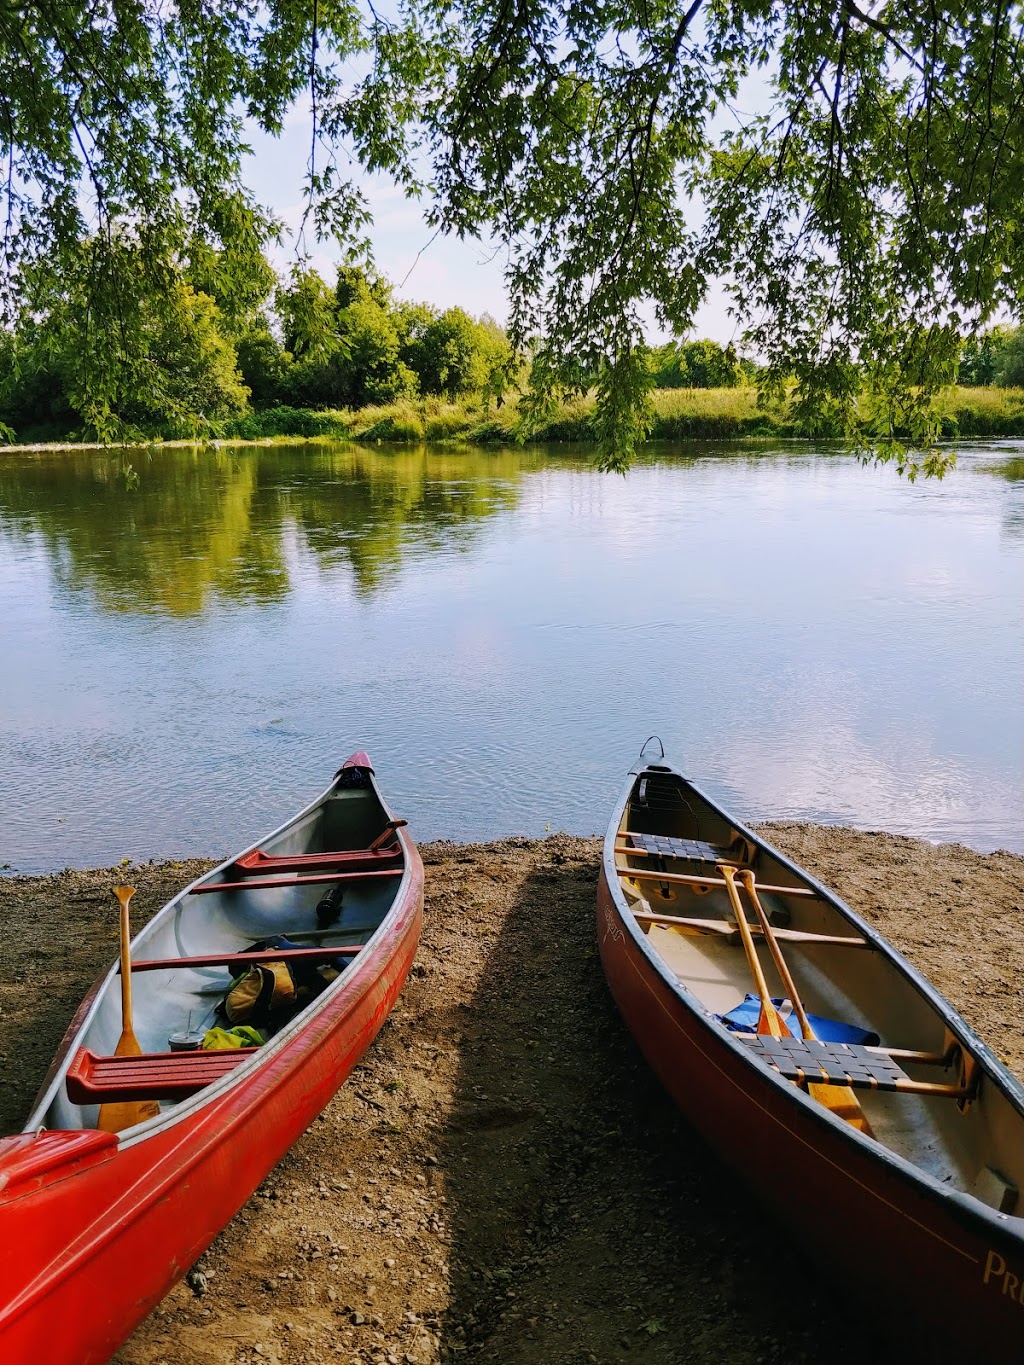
{"points": [[186, 659]]}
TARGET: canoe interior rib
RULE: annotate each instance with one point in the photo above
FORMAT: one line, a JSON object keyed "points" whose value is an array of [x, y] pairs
{"points": [[172, 996], [666, 826]]}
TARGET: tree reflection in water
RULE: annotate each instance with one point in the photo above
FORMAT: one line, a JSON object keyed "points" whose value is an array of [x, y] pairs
{"points": [[212, 524]]}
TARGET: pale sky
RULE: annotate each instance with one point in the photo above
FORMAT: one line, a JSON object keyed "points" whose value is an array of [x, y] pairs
{"points": [[441, 271]]}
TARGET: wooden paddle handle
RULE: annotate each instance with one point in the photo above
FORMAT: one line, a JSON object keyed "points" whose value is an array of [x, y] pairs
{"points": [[769, 1014], [781, 965], [124, 895]]}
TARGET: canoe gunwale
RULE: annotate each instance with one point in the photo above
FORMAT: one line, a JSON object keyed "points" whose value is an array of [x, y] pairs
{"points": [[357, 978], [717, 1036]]}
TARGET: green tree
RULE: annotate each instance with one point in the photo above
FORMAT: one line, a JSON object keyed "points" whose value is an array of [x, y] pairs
{"points": [[865, 218], [455, 354], [1009, 364], [982, 356], [696, 365], [173, 371]]}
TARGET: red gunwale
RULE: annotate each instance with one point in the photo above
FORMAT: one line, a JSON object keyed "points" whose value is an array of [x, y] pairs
{"points": [[898, 1228], [138, 1218]]}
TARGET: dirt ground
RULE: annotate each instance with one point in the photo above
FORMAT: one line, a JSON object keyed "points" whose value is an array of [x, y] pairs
{"points": [[502, 1179]]}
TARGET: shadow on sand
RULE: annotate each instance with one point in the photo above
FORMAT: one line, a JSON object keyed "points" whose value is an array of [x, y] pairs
{"points": [[588, 1222]]}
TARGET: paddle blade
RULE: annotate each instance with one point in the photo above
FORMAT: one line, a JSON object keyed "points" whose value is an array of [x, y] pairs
{"points": [[841, 1101], [769, 1021]]}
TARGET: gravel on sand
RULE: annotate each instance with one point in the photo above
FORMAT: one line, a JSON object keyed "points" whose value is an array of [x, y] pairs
{"points": [[502, 1179]]}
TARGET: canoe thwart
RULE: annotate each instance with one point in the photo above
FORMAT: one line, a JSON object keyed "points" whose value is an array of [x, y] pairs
{"points": [[150, 1076], [809, 1062], [684, 879], [256, 883], [727, 929], [155, 964], [355, 860]]}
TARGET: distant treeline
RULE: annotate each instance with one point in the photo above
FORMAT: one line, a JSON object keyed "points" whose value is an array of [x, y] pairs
{"points": [[218, 359], [303, 357]]}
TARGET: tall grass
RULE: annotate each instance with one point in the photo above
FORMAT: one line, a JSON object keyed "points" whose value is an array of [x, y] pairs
{"points": [[679, 414]]}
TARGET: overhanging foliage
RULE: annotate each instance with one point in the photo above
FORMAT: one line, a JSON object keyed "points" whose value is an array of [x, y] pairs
{"points": [[866, 218]]}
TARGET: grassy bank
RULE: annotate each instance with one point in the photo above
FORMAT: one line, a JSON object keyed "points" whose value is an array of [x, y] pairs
{"points": [[679, 414]]}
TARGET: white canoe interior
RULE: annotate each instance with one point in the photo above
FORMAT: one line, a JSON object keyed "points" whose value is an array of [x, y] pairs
{"points": [[972, 1142], [197, 923]]}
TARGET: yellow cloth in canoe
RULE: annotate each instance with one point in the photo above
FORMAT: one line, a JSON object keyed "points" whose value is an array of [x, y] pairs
{"points": [[224, 1039]]}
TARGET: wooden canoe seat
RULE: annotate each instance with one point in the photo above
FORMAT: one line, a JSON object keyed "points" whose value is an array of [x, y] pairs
{"points": [[153, 1076], [807, 1061], [351, 860], [233, 960], [663, 846]]}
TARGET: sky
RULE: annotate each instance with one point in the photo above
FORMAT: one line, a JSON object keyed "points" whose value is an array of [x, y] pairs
{"points": [[423, 266]]}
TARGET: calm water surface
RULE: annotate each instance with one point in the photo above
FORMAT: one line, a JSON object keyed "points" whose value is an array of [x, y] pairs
{"points": [[185, 663]]}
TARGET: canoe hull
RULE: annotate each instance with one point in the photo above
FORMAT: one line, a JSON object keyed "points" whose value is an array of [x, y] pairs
{"points": [[90, 1247], [944, 1279]]}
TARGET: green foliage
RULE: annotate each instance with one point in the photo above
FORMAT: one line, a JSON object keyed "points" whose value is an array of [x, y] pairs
{"points": [[141, 366], [453, 354], [1010, 365], [696, 365], [863, 222], [981, 357]]}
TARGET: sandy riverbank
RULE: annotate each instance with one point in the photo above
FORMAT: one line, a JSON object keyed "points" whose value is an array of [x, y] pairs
{"points": [[501, 1179]]}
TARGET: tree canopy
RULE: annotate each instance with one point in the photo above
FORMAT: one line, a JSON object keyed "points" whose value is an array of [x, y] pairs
{"points": [[864, 217]]}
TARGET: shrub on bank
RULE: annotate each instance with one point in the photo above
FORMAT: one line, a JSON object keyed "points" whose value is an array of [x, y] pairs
{"points": [[285, 421]]}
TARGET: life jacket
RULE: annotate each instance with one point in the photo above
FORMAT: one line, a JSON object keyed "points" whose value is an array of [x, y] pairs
{"points": [[268, 994]]}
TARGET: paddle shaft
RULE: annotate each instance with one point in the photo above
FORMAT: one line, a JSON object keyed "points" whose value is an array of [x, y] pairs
{"points": [[769, 1022], [124, 894], [840, 1099], [781, 965]]}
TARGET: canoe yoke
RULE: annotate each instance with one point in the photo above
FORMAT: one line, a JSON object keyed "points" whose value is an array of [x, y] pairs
{"points": [[809, 1062], [256, 883], [232, 960], [151, 1076]]}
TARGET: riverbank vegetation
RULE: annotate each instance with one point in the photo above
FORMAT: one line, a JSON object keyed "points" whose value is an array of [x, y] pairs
{"points": [[678, 415], [302, 358]]}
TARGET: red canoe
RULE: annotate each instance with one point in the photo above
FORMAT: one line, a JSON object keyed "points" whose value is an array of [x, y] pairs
{"points": [[920, 1219], [97, 1227]]}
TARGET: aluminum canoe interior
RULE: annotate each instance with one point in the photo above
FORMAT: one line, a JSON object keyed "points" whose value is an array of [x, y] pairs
{"points": [[197, 924], [974, 1146]]}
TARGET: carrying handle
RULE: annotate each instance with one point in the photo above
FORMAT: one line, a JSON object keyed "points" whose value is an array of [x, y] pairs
{"points": [[647, 741], [386, 833]]}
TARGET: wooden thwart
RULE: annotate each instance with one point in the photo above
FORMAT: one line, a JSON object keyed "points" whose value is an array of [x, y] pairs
{"points": [[256, 883], [727, 930], [155, 964], [684, 879]]}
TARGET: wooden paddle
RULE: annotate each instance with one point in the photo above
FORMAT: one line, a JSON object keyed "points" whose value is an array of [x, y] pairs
{"points": [[769, 1020], [840, 1099], [115, 1117]]}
